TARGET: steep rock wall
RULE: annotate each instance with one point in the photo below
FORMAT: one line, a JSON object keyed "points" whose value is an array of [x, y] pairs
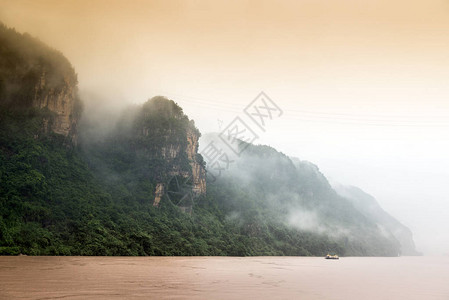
{"points": [[167, 141], [198, 170], [62, 100], [35, 75]]}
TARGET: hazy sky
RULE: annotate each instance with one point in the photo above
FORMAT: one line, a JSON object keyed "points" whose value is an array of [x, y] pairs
{"points": [[363, 84]]}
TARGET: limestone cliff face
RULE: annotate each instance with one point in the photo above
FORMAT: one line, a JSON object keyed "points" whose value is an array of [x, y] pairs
{"points": [[173, 152], [62, 100], [167, 141], [197, 175], [35, 75], [198, 170]]}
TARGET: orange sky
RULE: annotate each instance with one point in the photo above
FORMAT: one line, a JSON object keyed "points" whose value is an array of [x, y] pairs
{"points": [[291, 47], [363, 84]]}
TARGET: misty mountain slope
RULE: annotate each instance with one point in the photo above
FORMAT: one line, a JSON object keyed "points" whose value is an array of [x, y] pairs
{"points": [[51, 201], [369, 207], [150, 144], [70, 187], [33, 75], [293, 193], [23, 60]]}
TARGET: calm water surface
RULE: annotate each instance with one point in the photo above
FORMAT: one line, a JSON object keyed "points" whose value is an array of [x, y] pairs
{"points": [[223, 278]]}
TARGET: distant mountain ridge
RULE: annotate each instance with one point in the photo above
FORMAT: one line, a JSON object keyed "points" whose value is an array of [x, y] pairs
{"points": [[369, 207], [297, 194]]}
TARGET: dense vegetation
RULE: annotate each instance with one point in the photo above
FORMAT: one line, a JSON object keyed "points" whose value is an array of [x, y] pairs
{"points": [[264, 187], [53, 203], [96, 197]]}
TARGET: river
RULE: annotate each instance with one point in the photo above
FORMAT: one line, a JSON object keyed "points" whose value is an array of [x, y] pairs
{"points": [[26, 277]]}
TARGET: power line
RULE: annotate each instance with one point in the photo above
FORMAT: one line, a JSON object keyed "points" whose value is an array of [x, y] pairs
{"points": [[326, 117]]}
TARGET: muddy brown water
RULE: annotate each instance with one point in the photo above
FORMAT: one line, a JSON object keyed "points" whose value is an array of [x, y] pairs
{"points": [[223, 278]]}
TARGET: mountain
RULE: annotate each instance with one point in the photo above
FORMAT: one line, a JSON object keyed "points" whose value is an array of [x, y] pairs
{"points": [[369, 207], [150, 145], [69, 187], [296, 195], [33, 75]]}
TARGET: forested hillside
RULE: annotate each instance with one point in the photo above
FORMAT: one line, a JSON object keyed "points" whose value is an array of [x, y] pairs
{"points": [[265, 187], [66, 191]]}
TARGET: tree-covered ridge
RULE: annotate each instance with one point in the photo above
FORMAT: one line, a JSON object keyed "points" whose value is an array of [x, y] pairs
{"points": [[53, 203], [23, 60], [148, 146], [268, 187], [162, 124]]}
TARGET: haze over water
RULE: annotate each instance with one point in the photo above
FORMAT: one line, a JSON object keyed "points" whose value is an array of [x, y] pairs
{"points": [[223, 278]]}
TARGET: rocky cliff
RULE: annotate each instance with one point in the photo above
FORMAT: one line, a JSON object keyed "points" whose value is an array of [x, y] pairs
{"points": [[169, 134], [172, 153], [33, 75], [198, 169], [61, 100], [153, 144]]}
